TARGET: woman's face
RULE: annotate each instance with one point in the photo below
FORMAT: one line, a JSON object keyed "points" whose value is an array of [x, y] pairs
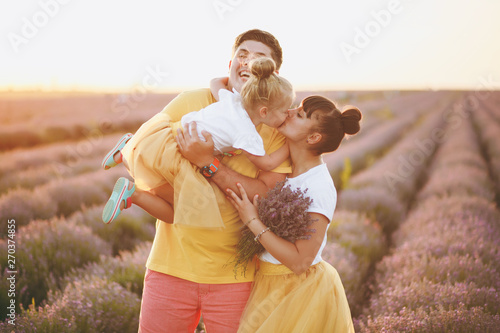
{"points": [[297, 126]]}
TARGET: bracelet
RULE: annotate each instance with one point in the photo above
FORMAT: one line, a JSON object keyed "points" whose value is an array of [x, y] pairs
{"points": [[261, 233], [253, 218]]}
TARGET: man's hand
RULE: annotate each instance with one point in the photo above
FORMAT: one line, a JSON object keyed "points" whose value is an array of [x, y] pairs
{"points": [[195, 150], [201, 153]]}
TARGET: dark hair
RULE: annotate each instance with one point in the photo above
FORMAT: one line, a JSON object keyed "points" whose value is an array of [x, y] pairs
{"points": [[333, 124], [265, 38], [265, 87]]}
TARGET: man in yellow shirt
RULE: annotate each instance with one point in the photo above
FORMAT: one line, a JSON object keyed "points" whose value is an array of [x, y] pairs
{"points": [[188, 270]]}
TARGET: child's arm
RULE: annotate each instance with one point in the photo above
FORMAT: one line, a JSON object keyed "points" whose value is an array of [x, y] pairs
{"points": [[217, 84], [271, 161]]}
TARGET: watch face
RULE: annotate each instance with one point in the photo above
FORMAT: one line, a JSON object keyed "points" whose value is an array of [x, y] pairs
{"points": [[205, 171], [209, 170]]}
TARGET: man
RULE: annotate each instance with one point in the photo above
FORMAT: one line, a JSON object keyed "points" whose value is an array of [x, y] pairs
{"points": [[189, 272]]}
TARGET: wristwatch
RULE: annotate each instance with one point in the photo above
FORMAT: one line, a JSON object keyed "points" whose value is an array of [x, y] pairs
{"points": [[208, 171]]}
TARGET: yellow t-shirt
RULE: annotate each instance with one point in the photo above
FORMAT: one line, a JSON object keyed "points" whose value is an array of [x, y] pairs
{"points": [[204, 255]]}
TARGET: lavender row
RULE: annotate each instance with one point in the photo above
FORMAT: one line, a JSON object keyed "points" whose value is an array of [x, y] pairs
{"points": [[355, 243], [61, 251], [385, 189], [61, 160], [360, 153], [40, 120], [58, 197], [443, 273], [86, 296], [374, 207], [459, 168], [488, 128]]}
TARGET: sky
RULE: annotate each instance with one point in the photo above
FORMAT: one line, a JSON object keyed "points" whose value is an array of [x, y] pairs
{"points": [[160, 45]]}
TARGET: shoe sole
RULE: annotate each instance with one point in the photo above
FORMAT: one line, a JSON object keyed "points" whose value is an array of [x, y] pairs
{"points": [[113, 207]]}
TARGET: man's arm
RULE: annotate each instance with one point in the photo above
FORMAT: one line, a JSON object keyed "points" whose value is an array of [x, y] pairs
{"points": [[200, 153]]}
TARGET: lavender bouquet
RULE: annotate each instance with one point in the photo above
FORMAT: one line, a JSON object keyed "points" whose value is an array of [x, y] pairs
{"points": [[284, 211]]}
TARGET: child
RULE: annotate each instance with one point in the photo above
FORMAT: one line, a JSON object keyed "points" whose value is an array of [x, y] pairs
{"points": [[265, 99]]}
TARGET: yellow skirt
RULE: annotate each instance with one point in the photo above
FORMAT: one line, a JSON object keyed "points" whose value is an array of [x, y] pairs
{"points": [[282, 301], [153, 159]]}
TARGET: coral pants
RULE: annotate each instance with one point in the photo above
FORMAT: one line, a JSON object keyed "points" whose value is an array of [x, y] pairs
{"points": [[171, 304]]}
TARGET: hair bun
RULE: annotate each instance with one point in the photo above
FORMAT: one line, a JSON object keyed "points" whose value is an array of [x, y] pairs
{"points": [[350, 119], [262, 67]]}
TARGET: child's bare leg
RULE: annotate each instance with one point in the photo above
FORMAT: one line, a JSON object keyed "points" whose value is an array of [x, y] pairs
{"points": [[154, 205], [166, 192], [118, 157]]}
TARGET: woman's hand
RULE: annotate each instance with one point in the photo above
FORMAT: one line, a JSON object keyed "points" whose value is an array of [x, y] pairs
{"points": [[246, 209], [195, 150]]}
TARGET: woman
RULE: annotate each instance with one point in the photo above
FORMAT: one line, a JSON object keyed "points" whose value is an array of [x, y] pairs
{"points": [[294, 289]]}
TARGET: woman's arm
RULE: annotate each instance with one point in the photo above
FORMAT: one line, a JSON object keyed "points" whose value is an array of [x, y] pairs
{"points": [[218, 84], [297, 256], [271, 161]]}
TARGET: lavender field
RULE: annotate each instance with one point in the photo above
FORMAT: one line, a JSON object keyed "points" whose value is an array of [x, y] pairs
{"points": [[414, 236]]}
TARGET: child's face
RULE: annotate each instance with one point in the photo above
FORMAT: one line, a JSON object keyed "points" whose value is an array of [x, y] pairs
{"points": [[238, 66], [277, 115]]}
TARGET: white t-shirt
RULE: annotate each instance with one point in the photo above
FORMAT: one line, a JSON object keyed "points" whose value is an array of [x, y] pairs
{"points": [[229, 124], [321, 190]]}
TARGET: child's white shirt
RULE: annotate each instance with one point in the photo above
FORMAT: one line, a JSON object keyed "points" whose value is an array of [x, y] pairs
{"points": [[229, 124], [321, 190]]}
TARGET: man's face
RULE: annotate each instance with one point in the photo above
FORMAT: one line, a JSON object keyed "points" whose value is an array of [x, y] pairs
{"points": [[238, 66]]}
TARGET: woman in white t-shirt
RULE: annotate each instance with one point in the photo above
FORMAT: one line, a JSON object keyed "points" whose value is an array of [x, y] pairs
{"points": [[294, 289], [265, 99]]}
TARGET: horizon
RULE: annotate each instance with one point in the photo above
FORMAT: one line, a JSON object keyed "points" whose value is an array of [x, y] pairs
{"points": [[64, 45]]}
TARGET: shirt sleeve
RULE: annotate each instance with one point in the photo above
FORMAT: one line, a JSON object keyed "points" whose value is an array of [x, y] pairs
{"points": [[188, 101], [324, 202], [251, 143]]}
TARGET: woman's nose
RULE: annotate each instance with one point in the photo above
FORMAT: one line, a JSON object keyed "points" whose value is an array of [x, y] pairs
{"points": [[292, 112]]}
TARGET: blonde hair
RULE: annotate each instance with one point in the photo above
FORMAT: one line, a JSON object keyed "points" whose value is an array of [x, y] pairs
{"points": [[265, 87]]}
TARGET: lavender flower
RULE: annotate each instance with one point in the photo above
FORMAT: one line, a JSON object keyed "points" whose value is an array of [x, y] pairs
{"points": [[284, 211]]}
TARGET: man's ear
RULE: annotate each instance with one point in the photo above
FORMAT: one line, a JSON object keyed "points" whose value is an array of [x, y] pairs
{"points": [[263, 112], [314, 138]]}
